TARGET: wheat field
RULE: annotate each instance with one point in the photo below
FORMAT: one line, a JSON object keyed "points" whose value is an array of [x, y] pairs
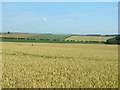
{"points": [[18, 35], [88, 38], [52, 65]]}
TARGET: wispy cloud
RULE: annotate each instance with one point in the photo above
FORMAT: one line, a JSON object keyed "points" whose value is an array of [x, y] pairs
{"points": [[45, 19]]}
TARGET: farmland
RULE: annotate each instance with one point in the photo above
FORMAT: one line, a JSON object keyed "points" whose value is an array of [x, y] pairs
{"points": [[49, 37], [88, 38], [55, 65], [53, 38], [17, 35], [44, 41]]}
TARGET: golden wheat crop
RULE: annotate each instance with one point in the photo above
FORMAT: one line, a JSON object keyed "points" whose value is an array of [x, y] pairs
{"points": [[18, 35], [46, 65], [88, 38]]}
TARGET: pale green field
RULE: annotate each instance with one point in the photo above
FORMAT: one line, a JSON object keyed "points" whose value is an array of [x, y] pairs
{"points": [[49, 65], [88, 38]]}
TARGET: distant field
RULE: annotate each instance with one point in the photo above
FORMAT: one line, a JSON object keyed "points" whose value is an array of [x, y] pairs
{"points": [[53, 65], [49, 37], [53, 38], [43, 41], [18, 35], [88, 38]]}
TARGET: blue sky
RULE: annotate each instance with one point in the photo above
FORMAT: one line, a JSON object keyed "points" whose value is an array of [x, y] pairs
{"points": [[60, 17]]}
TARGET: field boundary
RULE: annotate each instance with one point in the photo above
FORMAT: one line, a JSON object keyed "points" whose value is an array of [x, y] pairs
{"points": [[38, 41]]}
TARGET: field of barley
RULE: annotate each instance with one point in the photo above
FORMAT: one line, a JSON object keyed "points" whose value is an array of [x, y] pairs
{"points": [[88, 38], [56, 65], [18, 35]]}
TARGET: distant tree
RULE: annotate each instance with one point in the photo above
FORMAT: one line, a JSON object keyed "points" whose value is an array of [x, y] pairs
{"points": [[118, 38], [54, 39], [67, 40], [8, 32], [114, 40]]}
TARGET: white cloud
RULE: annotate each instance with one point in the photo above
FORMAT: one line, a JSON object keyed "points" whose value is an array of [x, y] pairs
{"points": [[45, 19]]}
